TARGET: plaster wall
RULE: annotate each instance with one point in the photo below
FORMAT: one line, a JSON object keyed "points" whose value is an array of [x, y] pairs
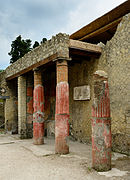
{"points": [[80, 74], [115, 61]]}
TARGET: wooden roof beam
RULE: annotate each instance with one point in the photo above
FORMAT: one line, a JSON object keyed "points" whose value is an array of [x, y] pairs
{"points": [[101, 30], [102, 21], [83, 46]]}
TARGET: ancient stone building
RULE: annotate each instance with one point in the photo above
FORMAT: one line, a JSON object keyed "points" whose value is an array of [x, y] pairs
{"points": [[51, 89]]}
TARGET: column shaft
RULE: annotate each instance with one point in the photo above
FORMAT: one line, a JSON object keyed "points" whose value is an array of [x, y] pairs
{"points": [[62, 109], [101, 124], [38, 105], [22, 106]]}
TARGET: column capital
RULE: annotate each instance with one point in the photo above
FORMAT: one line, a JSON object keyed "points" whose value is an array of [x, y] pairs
{"points": [[61, 59], [37, 69], [62, 71]]}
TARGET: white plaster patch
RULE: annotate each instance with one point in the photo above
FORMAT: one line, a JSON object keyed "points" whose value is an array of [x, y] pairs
{"points": [[115, 156], [101, 73], [113, 172], [82, 93]]}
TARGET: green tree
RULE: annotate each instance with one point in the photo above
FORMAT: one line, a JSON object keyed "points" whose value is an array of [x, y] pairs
{"points": [[36, 43], [19, 48], [43, 40]]}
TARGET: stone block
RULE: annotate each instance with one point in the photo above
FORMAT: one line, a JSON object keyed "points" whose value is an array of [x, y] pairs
{"points": [[82, 93]]}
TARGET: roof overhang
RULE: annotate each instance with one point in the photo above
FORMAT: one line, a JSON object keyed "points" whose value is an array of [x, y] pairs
{"points": [[103, 28], [83, 49], [75, 48]]}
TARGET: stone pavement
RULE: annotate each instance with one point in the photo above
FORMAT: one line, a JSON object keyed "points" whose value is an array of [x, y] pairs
{"points": [[21, 160]]}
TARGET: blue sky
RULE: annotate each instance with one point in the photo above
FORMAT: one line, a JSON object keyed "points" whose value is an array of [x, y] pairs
{"points": [[35, 19]]}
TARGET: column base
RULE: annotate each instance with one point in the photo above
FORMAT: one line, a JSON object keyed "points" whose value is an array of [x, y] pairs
{"points": [[38, 133], [61, 134], [102, 167], [61, 146]]}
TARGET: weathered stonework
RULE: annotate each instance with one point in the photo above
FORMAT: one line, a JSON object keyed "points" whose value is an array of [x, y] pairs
{"points": [[11, 109], [57, 45], [2, 102], [10, 105], [115, 61], [2, 118]]}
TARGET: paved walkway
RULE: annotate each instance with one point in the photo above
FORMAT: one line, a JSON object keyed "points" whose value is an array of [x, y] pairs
{"points": [[21, 160]]}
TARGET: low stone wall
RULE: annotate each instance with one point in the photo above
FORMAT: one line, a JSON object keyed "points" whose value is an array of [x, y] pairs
{"points": [[57, 45]]}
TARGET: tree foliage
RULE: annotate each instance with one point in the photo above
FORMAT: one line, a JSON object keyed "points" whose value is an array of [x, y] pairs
{"points": [[36, 44], [20, 47], [43, 40]]}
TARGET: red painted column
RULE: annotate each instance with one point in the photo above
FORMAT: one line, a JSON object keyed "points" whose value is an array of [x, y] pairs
{"points": [[38, 105], [62, 109], [101, 123]]}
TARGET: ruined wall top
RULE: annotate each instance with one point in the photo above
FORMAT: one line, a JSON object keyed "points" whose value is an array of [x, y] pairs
{"points": [[58, 44]]}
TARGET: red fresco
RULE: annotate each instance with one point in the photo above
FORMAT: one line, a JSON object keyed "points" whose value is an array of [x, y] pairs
{"points": [[61, 118]]}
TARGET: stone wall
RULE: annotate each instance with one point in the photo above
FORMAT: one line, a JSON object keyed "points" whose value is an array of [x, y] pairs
{"points": [[10, 105], [115, 60], [2, 119], [80, 74], [57, 45], [2, 102]]}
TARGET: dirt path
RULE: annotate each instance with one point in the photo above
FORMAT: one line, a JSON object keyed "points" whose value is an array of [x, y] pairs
{"points": [[21, 160]]}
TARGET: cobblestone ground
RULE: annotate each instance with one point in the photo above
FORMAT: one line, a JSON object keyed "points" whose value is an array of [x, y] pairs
{"points": [[21, 160]]}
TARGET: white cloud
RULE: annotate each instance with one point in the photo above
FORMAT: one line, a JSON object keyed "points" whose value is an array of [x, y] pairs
{"points": [[4, 49], [88, 11], [35, 19]]}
